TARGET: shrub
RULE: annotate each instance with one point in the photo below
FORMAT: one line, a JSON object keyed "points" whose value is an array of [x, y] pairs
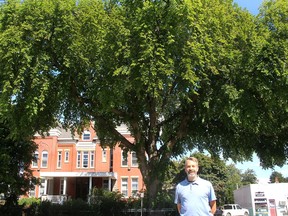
{"points": [[164, 199], [77, 207], [109, 202], [29, 205], [46, 208], [28, 201]]}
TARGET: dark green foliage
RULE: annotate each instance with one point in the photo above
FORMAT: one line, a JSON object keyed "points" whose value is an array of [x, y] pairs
{"points": [[102, 203], [110, 202], [16, 155], [47, 208], [164, 199], [11, 210]]}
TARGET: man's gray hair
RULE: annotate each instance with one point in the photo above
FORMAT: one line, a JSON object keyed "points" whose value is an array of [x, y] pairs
{"points": [[192, 159]]}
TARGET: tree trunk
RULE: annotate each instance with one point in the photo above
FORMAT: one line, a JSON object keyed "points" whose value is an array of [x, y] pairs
{"points": [[153, 188], [152, 172]]}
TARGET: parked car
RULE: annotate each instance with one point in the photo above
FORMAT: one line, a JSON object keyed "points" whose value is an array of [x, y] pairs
{"points": [[234, 210]]}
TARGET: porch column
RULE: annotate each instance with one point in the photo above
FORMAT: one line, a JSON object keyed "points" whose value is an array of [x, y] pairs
{"points": [[90, 189], [109, 184], [45, 186], [65, 186], [90, 185]]}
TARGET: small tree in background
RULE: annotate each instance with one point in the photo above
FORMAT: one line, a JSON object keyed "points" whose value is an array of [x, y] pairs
{"points": [[277, 177], [233, 182], [249, 177]]}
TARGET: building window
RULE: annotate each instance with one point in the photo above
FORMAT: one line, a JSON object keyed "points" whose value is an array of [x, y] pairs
{"points": [[134, 161], [44, 159], [92, 159], [104, 155], [134, 186], [124, 159], [124, 186], [85, 159], [35, 159], [66, 156], [59, 159], [105, 184], [86, 135], [78, 159]]}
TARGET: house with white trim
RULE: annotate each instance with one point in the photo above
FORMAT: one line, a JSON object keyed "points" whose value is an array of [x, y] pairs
{"points": [[70, 166]]}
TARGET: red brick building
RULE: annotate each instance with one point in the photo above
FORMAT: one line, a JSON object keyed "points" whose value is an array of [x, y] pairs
{"points": [[69, 167]]}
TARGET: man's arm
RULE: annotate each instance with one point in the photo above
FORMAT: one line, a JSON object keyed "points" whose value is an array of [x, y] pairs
{"points": [[213, 206], [179, 207]]}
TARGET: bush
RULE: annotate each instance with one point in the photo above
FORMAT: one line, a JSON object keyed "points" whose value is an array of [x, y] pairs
{"points": [[28, 201], [109, 202], [77, 207], [102, 203], [11, 206], [164, 199], [29, 205], [46, 208]]}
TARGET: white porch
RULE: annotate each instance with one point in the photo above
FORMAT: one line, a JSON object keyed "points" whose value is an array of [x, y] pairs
{"points": [[47, 191]]}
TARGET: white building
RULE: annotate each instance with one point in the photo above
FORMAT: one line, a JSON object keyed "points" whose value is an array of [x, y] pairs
{"points": [[264, 199]]}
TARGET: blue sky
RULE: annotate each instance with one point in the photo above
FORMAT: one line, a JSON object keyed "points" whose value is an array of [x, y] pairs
{"points": [[251, 5], [263, 175]]}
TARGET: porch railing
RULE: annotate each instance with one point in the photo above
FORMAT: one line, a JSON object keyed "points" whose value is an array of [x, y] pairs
{"points": [[54, 198]]}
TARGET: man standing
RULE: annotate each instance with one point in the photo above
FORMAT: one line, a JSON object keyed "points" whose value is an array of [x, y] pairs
{"points": [[195, 196]]}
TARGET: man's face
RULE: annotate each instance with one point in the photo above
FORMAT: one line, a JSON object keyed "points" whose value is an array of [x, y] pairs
{"points": [[191, 168]]}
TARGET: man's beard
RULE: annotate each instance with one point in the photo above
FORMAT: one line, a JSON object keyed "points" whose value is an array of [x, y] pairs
{"points": [[191, 176]]}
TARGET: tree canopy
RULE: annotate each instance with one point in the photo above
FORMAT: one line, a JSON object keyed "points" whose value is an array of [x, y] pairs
{"points": [[180, 75]]}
